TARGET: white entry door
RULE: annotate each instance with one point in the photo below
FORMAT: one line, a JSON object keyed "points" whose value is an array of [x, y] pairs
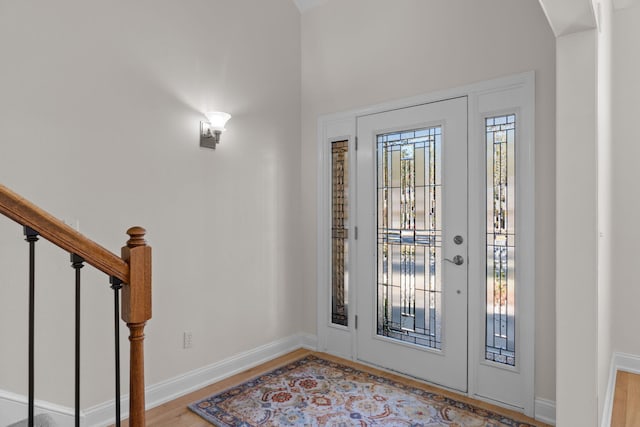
{"points": [[412, 244]]}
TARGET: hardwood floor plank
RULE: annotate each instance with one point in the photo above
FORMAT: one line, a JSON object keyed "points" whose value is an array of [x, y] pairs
{"points": [[626, 400], [176, 413], [633, 400], [618, 414]]}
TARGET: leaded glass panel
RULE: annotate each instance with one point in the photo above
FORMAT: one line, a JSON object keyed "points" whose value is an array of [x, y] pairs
{"points": [[339, 231], [501, 286], [409, 192]]}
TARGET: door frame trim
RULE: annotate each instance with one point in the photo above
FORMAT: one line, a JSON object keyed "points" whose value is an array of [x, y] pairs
{"points": [[340, 340]]}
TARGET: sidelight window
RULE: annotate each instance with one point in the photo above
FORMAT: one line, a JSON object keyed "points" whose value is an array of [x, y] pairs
{"points": [[501, 284]]}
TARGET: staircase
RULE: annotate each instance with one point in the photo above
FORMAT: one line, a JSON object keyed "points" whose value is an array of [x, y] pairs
{"points": [[130, 277]]}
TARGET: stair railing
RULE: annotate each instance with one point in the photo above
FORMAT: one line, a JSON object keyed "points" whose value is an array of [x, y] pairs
{"points": [[130, 272]]}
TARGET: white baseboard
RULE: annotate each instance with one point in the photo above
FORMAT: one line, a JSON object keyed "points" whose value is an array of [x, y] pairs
{"points": [[626, 362], [619, 362], [309, 341], [14, 408], [545, 411], [165, 391]]}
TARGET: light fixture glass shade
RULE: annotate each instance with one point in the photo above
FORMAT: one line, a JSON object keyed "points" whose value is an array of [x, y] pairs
{"points": [[217, 119]]}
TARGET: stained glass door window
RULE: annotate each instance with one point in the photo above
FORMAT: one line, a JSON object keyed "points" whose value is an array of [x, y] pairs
{"points": [[339, 231], [501, 286], [409, 237]]}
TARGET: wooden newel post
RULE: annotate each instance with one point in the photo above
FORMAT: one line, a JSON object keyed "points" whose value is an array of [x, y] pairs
{"points": [[136, 310]]}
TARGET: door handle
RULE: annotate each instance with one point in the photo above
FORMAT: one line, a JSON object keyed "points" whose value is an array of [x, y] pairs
{"points": [[457, 260]]}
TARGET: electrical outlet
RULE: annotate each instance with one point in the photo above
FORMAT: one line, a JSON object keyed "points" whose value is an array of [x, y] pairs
{"points": [[187, 341]]}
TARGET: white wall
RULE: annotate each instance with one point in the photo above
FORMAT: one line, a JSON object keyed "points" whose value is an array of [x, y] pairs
{"points": [[100, 104], [576, 192], [626, 175], [362, 52]]}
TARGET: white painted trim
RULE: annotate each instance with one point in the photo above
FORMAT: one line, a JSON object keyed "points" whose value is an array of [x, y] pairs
{"points": [[569, 16], [13, 408], [619, 362], [608, 398], [157, 394], [308, 341], [546, 411], [519, 99], [627, 362], [331, 338]]}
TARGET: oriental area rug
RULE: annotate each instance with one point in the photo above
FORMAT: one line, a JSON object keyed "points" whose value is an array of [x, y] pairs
{"points": [[317, 392]]}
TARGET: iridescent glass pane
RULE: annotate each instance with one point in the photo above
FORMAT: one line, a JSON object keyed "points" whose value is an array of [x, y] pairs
{"points": [[409, 236], [501, 286], [339, 231]]}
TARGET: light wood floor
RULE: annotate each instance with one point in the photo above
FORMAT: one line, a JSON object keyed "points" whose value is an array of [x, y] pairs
{"points": [[626, 401], [176, 413]]}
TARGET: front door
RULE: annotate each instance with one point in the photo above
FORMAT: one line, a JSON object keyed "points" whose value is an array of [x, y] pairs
{"points": [[412, 243]]}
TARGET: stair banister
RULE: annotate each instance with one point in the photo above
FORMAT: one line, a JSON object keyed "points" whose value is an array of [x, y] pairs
{"points": [[133, 268], [136, 310]]}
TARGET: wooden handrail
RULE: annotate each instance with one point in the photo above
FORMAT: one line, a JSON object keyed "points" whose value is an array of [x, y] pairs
{"points": [[60, 234]]}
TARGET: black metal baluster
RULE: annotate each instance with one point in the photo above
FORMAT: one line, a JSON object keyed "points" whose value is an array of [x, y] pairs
{"points": [[32, 238], [116, 285], [77, 263]]}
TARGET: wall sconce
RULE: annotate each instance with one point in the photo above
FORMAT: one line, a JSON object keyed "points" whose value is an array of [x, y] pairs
{"points": [[210, 130]]}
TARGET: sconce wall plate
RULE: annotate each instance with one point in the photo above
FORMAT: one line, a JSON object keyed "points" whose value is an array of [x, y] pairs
{"points": [[211, 130], [209, 138]]}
